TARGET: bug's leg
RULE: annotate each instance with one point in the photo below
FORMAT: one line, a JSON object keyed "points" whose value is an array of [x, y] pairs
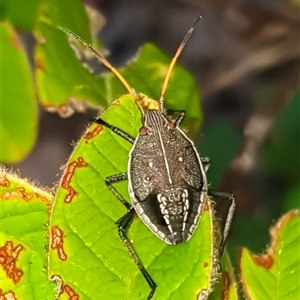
{"points": [[123, 224], [205, 162], [116, 130], [180, 118], [115, 178], [230, 197]]}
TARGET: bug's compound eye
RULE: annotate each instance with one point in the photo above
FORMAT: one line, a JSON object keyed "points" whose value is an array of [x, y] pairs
{"points": [[143, 130], [172, 124]]}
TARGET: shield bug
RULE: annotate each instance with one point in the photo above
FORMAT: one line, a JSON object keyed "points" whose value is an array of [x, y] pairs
{"points": [[166, 176]]}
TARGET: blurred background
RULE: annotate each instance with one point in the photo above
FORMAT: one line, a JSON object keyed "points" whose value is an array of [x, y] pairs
{"points": [[244, 55]]}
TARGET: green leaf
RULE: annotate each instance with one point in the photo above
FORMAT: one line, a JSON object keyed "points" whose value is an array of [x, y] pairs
{"points": [[18, 125], [24, 217], [59, 74], [22, 14], [226, 287], [19, 108], [67, 13], [87, 253], [275, 275]]}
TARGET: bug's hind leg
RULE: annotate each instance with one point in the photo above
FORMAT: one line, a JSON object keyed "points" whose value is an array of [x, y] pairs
{"points": [[229, 216], [123, 223]]}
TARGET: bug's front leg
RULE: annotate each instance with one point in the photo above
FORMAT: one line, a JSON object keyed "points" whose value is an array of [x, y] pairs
{"points": [[116, 130]]}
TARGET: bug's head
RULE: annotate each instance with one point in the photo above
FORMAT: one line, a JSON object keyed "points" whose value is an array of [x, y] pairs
{"points": [[147, 103], [155, 121]]}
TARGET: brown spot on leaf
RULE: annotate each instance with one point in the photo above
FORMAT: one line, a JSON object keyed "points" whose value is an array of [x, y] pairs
{"points": [[10, 295], [206, 206], [265, 261], [92, 133], [8, 260], [21, 193], [57, 241], [70, 292], [40, 64], [205, 265], [69, 172], [4, 181], [71, 194], [16, 43], [226, 280], [18, 193]]}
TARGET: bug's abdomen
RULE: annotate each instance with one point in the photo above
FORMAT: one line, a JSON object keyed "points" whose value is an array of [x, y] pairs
{"points": [[166, 185]]}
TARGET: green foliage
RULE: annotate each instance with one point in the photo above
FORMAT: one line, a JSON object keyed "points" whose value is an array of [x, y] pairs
{"points": [[18, 99], [86, 255], [25, 212], [59, 74], [23, 19], [18, 124], [84, 238], [275, 275]]}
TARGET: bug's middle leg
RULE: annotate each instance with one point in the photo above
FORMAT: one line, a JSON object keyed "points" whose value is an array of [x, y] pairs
{"points": [[115, 178]]}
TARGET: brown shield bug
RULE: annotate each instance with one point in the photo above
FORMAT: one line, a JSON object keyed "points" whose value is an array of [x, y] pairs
{"points": [[166, 176]]}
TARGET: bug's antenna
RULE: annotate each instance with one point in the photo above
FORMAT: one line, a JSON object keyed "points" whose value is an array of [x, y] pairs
{"points": [[103, 60], [174, 59]]}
